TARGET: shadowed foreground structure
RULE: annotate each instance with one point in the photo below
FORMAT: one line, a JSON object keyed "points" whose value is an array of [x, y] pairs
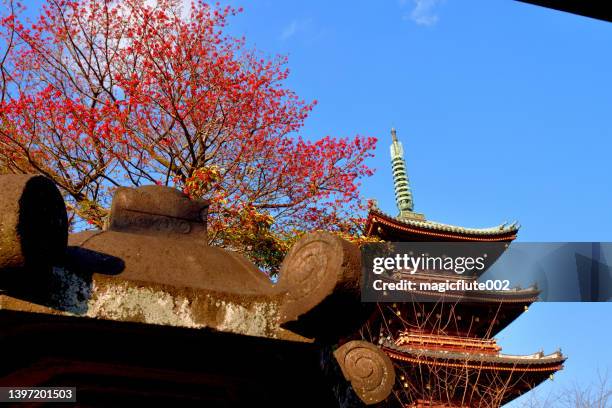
{"points": [[146, 312]]}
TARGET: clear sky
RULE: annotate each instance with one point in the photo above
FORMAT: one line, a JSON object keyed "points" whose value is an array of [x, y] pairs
{"points": [[505, 113]]}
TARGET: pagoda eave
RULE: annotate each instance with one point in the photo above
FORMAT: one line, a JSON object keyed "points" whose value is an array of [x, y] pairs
{"points": [[480, 319], [483, 296], [390, 228], [537, 362], [476, 372]]}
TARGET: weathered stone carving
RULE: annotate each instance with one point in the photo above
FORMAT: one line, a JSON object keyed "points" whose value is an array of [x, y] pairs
{"points": [[157, 209], [315, 267], [321, 275], [153, 265], [368, 368]]}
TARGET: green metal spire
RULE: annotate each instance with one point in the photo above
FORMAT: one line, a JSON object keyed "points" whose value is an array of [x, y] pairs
{"points": [[403, 195]]}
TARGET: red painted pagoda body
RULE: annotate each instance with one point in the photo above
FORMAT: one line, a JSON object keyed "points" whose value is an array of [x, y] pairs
{"points": [[444, 351]]}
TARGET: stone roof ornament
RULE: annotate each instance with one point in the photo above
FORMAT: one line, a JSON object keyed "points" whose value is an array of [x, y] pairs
{"points": [[157, 209]]}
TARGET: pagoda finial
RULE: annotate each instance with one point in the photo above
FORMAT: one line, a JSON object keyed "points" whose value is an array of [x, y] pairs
{"points": [[403, 195]]}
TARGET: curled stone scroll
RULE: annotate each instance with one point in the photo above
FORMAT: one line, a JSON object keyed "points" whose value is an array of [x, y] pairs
{"points": [[368, 368], [321, 276]]}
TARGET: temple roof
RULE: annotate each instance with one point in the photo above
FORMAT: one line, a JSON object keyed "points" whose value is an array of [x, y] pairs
{"points": [[512, 295], [477, 374], [378, 219], [468, 318], [555, 359]]}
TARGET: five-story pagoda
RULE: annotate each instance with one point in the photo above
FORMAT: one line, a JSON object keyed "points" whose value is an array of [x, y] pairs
{"points": [[444, 351]]}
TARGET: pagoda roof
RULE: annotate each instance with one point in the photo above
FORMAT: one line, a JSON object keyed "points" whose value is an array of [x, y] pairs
{"points": [[481, 372], [554, 360], [514, 295], [421, 227], [468, 317], [511, 295]]}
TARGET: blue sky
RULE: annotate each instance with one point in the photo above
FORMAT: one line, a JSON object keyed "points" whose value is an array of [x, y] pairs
{"points": [[505, 113]]}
